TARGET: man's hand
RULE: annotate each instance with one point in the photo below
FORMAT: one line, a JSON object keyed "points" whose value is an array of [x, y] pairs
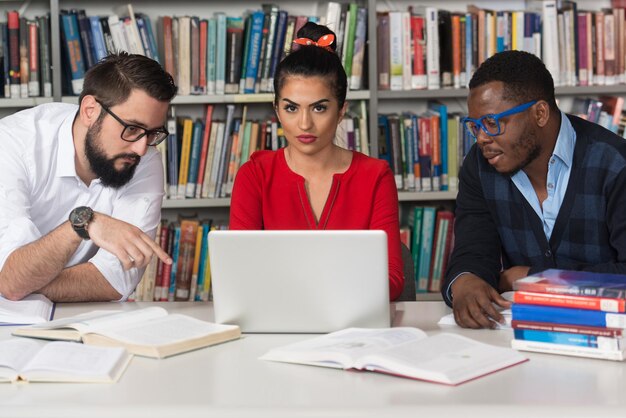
{"points": [[508, 276], [127, 242], [473, 300]]}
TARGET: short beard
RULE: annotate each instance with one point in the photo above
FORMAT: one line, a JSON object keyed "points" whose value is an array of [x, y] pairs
{"points": [[528, 143], [103, 167]]}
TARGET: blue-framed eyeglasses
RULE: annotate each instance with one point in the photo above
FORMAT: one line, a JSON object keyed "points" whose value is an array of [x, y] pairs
{"points": [[491, 124]]}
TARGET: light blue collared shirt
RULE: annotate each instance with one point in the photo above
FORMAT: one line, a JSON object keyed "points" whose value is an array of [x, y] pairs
{"points": [[559, 170]]}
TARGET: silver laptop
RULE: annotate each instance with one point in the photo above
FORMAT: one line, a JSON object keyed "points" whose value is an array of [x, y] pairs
{"points": [[300, 281]]}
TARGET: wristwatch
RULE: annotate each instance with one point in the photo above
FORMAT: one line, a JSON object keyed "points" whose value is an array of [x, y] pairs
{"points": [[79, 219]]}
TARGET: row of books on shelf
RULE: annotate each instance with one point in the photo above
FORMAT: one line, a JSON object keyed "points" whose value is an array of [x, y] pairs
{"points": [[25, 57], [431, 48], [424, 151], [85, 40], [188, 278], [573, 313], [201, 158], [607, 111], [430, 237], [214, 55]]}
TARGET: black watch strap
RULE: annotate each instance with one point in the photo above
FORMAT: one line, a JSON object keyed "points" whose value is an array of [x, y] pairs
{"points": [[79, 219]]}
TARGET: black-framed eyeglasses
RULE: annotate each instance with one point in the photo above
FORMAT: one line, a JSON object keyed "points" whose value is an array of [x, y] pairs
{"points": [[491, 124], [133, 133]]}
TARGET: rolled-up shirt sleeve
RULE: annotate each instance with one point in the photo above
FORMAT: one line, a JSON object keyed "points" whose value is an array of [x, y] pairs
{"points": [[138, 203], [16, 227]]}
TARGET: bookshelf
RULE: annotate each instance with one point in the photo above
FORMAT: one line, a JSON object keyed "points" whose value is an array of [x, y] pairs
{"points": [[378, 101]]}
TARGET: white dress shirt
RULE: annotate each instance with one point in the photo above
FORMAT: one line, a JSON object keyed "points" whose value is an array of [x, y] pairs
{"points": [[39, 187]]}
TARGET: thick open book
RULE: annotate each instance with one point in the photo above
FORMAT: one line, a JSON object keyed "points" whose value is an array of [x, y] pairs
{"points": [[33, 309], [407, 352], [149, 332], [36, 361]]}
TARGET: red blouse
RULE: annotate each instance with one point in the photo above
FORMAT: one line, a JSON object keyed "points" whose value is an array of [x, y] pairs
{"points": [[268, 195]]}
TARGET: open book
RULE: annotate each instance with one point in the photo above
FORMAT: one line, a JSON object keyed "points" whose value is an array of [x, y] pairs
{"points": [[36, 361], [149, 332], [33, 309], [407, 352]]}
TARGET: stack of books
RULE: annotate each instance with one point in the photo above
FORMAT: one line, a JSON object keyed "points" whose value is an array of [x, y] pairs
{"points": [[573, 313]]}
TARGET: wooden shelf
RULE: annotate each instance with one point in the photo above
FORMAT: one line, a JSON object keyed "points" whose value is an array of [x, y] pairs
{"points": [[195, 203], [225, 202], [462, 93], [428, 297], [23, 103], [426, 196], [223, 98]]}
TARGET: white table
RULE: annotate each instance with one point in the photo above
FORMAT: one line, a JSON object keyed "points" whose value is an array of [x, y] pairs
{"points": [[228, 380]]}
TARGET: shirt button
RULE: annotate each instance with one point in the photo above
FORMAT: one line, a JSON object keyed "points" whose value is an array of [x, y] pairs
{"points": [[552, 161], [550, 186], [548, 253]]}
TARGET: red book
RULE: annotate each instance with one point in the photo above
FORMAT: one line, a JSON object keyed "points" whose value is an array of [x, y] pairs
{"points": [[168, 47], [204, 27], [204, 150], [13, 25], [571, 301], [419, 79], [158, 279]]}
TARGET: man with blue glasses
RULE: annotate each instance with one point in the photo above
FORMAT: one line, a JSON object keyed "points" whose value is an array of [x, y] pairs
{"points": [[540, 189], [81, 186]]}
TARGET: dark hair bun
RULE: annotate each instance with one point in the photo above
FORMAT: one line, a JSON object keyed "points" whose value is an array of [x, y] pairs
{"points": [[313, 31]]}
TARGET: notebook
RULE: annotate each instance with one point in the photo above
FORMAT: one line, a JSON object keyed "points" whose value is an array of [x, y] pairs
{"points": [[300, 281]]}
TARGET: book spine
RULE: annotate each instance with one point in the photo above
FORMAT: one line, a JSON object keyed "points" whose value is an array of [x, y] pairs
{"points": [[567, 350], [211, 56], [572, 329], [272, 11], [254, 55], [205, 149], [356, 78], [24, 67], [172, 159], [565, 338], [185, 155], [567, 301], [234, 38], [13, 25], [383, 59], [281, 28], [568, 316], [194, 162], [426, 248], [98, 38], [33, 59], [201, 88], [76, 63], [175, 260], [84, 28], [220, 63], [6, 58]]}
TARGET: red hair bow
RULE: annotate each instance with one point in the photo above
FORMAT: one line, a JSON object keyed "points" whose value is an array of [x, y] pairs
{"points": [[324, 42]]}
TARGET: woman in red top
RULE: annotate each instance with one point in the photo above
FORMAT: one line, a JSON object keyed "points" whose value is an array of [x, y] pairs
{"points": [[313, 183]]}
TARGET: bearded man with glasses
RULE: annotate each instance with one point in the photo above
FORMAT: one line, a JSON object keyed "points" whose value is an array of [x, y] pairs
{"points": [[539, 189], [81, 186]]}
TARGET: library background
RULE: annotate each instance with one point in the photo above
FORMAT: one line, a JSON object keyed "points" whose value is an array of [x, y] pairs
{"points": [[408, 64]]}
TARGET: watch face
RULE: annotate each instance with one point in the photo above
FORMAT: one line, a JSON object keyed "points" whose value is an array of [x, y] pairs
{"points": [[81, 215]]}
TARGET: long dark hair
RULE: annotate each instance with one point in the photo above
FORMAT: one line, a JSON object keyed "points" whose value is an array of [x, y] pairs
{"points": [[312, 61]]}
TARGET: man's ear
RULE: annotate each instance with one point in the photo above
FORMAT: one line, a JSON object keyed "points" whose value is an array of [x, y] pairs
{"points": [[89, 110], [542, 113]]}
